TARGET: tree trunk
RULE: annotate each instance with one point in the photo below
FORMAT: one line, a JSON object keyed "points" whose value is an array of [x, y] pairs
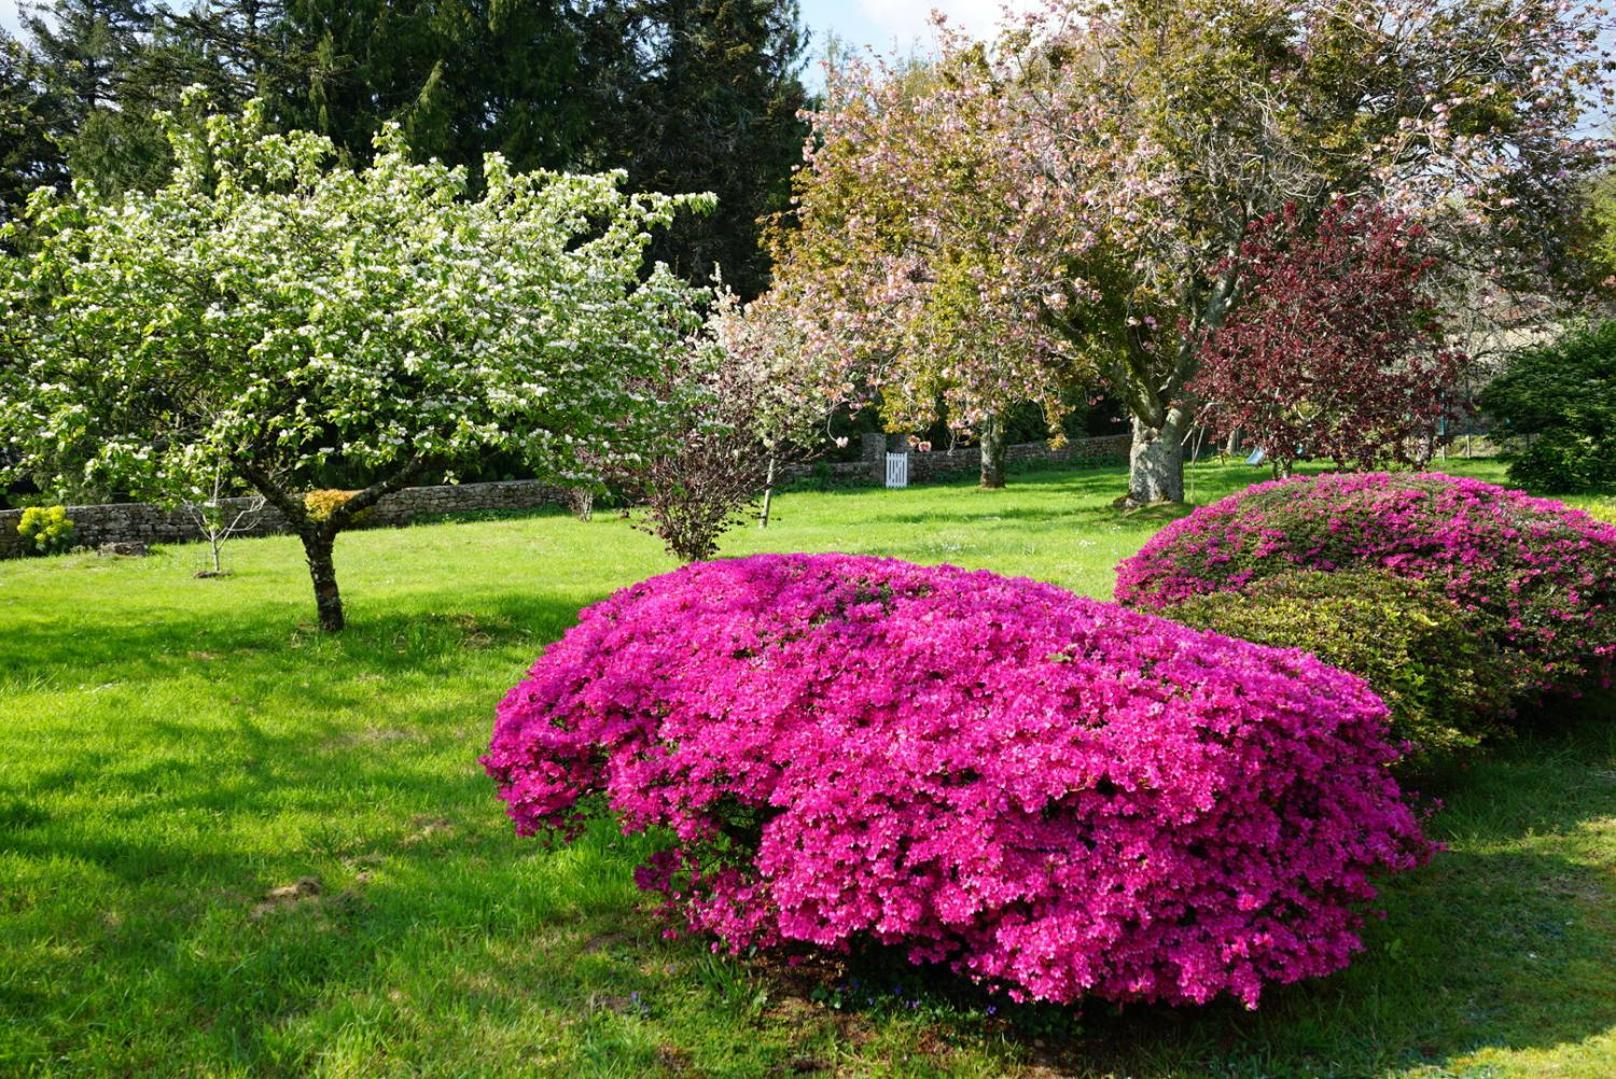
{"points": [[768, 493], [992, 438], [1232, 447], [1156, 461], [317, 546]]}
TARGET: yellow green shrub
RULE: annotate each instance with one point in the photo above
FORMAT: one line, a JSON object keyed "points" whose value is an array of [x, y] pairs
{"points": [[46, 529], [1434, 663]]}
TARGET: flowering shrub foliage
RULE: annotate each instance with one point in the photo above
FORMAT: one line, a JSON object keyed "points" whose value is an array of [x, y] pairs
{"points": [[1051, 795], [321, 504], [1545, 573], [46, 529]]}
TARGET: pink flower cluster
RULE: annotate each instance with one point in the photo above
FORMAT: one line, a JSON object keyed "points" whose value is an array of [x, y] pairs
{"points": [[1544, 573], [1052, 795]]}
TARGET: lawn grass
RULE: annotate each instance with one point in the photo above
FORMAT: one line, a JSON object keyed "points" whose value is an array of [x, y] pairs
{"points": [[175, 750]]}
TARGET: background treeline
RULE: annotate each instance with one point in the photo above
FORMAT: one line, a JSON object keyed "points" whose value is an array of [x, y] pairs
{"points": [[686, 95]]}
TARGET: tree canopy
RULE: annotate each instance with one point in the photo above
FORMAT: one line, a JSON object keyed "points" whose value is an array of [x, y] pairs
{"points": [[275, 313], [1336, 351], [901, 256]]}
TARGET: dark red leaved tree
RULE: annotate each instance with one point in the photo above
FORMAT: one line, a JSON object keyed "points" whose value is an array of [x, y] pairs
{"points": [[1336, 349]]}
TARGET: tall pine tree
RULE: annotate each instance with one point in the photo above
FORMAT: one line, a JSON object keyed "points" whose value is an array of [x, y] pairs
{"points": [[32, 117], [464, 77], [686, 95], [96, 55], [706, 99]]}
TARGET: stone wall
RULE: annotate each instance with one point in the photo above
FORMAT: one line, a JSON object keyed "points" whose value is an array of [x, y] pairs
{"points": [[134, 522], [938, 464], [934, 465], [140, 523]]}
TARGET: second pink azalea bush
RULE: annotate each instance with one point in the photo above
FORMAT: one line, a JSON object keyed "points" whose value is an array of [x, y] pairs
{"points": [[1541, 573], [1048, 794]]}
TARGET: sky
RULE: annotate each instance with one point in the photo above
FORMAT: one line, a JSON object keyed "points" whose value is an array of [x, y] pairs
{"points": [[896, 25]]}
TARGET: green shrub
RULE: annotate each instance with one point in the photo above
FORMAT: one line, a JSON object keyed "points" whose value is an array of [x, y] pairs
{"points": [[1560, 400], [1563, 461], [47, 529], [1432, 662]]}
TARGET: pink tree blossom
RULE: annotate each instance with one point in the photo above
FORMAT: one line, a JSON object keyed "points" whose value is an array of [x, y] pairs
{"points": [[1091, 175]]}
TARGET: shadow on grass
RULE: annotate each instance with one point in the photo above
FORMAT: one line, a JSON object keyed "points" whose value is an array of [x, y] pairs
{"points": [[155, 860], [170, 643]]}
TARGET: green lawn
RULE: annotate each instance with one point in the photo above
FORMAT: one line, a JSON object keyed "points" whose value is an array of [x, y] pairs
{"points": [[173, 751]]}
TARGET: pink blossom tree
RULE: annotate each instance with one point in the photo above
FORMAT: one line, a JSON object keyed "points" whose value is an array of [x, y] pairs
{"points": [[1115, 155], [902, 261], [772, 389], [740, 401]]}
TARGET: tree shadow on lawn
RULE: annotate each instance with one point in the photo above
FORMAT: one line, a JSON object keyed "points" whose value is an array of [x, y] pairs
{"points": [[390, 641], [1207, 480], [149, 843], [1067, 499], [282, 698]]}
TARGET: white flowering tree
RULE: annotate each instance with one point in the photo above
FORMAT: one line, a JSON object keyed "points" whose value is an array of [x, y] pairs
{"points": [[274, 313], [768, 384]]}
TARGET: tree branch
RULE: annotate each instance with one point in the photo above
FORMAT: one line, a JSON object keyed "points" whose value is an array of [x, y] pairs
{"points": [[290, 507], [344, 514]]}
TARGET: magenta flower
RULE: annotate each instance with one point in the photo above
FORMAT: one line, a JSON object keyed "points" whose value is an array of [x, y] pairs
{"points": [[1051, 795]]}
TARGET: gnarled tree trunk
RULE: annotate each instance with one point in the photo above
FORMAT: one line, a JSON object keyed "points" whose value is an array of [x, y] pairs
{"points": [[991, 437], [1156, 461], [320, 536]]}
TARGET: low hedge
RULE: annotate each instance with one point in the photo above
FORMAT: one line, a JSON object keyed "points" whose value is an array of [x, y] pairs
{"points": [[1444, 681]]}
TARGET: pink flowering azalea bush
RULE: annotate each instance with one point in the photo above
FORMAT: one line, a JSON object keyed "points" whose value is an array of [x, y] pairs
{"points": [[1543, 573], [1051, 795]]}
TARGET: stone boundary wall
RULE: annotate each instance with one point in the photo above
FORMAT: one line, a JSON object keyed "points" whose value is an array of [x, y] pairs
{"points": [[938, 464], [933, 465], [138, 522]]}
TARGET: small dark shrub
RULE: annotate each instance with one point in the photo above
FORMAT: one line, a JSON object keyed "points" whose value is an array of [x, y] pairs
{"points": [[700, 488], [1564, 461], [1560, 401], [1433, 662]]}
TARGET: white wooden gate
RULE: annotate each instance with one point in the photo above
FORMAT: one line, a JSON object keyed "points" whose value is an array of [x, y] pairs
{"points": [[897, 470]]}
